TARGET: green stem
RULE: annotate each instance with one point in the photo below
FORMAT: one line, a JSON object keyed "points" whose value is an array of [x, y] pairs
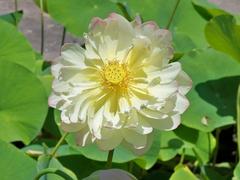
{"points": [[55, 171], [202, 168], [238, 121], [130, 166], [218, 131], [63, 36], [173, 14], [42, 27], [58, 144], [109, 159], [182, 157], [209, 146]]}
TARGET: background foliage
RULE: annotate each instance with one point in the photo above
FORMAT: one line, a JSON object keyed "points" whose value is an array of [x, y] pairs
{"points": [[207, 43]]}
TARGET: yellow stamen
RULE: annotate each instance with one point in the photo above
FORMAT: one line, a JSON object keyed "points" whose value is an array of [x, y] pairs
{"points": [[115, 75]]}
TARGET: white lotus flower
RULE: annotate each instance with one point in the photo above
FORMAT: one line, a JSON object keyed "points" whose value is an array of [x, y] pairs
{"points": [[121, 86]]}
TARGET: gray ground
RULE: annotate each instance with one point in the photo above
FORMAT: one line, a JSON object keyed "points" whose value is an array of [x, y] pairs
{"points": [[30, 26]]}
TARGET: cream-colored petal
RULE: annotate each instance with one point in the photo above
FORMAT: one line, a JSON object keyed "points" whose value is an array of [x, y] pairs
{"points": [[72, 127], [60, 86], [80, 77], [95, 123], [163, 91], [97, 25], [139, 51], [64, 117], [73, 54], [55, 68], [181, 103], [53, 100], [138, 140], [137, 124], [111, 119], [110, 139], [157, 59], [124, 105], [83, 137], [159, 37], [160, 121], [176, 120], [175, 103], [143, 150], [109, 38], [184, 82], [167, 74]]}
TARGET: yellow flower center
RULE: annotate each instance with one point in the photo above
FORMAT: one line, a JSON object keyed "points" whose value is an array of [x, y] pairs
{"points": [[116, 76], [115, 72]]}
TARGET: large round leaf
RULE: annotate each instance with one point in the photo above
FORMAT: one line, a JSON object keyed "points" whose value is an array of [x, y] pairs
{"points": [[213, 96], [223, 34], [14, 46], [23, 103], [173, 143], [15, 164], [186, 19], [75, 15]]}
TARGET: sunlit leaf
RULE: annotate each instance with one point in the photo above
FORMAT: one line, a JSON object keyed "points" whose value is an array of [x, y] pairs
{"points": [[215, 79], [14, 46], [223, 34], [14, 164], [161, 11], [75, 15], [67, 13], [183, 172], [23, 103], [237, 172], [207, 10], [173, 143]]}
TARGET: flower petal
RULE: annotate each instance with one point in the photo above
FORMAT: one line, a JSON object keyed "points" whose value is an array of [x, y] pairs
{"points": [[73, 54], [110, 38], [72, 127], [143, 150], [184, 82], [138, 140], [111, 138], [83, 137], [160, 121], [163, 91]]}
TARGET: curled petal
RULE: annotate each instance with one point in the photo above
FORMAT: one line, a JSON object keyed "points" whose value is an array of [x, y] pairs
{"points": [[184, 82]]}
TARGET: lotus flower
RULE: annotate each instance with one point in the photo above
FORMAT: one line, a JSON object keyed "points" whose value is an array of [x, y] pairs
{"points": [[121, 86]]}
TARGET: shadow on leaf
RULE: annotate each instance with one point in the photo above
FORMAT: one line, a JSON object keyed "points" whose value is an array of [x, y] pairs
{"points": [[221, 93]]}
